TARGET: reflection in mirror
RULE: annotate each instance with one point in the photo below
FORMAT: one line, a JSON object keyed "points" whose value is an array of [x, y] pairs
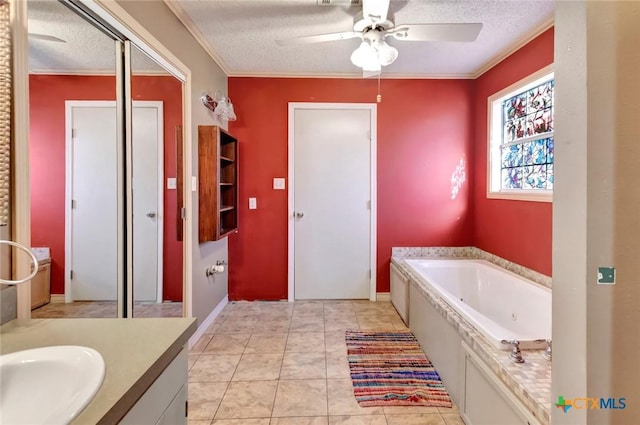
{"points": [[7, 293], [157, 253], [73, 164]]}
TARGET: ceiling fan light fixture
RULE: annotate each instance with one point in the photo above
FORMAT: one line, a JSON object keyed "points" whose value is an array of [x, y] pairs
{"points": [[386, 53], [365, 54]]}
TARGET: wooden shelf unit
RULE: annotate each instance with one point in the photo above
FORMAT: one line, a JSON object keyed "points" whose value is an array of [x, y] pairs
{"points": [[218, 183]]}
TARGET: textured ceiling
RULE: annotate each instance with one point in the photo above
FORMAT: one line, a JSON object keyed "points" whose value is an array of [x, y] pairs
{"points": [[86, 50], [241, 35]]}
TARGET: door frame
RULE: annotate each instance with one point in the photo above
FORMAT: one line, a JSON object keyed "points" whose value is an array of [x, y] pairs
{"points": [[372, 108], [69, 105]]}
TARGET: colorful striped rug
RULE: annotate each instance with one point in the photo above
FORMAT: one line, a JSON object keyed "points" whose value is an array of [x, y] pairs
{"points": [[390, 369]]}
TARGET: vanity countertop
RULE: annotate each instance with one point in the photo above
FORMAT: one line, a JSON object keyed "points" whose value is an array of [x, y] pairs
{"points": [[135, 352]]}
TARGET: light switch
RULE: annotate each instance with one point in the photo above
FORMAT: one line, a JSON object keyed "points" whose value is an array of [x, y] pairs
{"points": [[172, 183], [253, 203], [278, 183], [194, 183]]}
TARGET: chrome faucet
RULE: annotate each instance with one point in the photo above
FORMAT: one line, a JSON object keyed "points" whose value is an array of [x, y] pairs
{"points": [[547, 352], [515, 355]]}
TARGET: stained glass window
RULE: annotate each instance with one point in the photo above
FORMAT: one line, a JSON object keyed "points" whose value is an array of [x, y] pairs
{"points": [[526, 148]]}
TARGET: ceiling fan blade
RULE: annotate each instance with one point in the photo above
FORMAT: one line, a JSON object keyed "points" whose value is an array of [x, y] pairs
{"points": [[319, 38], [375, 10], [45, 37], [436, 32]]}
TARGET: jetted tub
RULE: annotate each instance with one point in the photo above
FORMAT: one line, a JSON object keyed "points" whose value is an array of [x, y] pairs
{"points": [[498, 303]]}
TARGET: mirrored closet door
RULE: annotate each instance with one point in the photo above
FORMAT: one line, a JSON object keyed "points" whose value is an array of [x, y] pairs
{"points": [[102, 170]]}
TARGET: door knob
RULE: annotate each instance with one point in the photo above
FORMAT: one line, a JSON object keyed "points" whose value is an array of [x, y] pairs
{"points": [[299, 214], [151, 214]]}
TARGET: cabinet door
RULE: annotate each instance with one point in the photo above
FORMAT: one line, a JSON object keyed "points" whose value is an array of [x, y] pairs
{"points": [[176, 413], [153, 404]]}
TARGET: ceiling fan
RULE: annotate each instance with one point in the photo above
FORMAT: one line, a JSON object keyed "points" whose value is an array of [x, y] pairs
{"points": [[374, 25]]}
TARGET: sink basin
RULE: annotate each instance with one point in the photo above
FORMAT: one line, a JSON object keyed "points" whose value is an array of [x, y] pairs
{"points": [[48, 385]]}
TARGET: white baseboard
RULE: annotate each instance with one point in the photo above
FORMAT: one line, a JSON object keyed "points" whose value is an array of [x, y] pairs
{"points": [[57, 299], [208, 321], [383, 296]]}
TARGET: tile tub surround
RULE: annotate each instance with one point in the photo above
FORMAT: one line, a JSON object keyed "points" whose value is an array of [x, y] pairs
{"points": [[530, 381], [273, 367], [135, 352], [469, 252]]}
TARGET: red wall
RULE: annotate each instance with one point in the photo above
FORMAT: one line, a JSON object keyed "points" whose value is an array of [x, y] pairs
{"points": [[524, 232], [424, 129], [47, 158]]}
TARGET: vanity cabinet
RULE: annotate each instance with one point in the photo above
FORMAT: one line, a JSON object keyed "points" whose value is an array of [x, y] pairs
{"points": [[218, 183], [166, 399]]}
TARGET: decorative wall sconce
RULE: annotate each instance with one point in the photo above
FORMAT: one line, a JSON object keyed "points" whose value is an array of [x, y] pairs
{"points": [[220, 105]]}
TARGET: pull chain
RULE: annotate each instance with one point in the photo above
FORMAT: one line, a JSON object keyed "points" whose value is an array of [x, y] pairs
{"points": [[379, 96]]}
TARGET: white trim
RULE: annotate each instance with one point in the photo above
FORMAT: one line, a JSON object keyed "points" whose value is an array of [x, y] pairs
{"points": [[351, 75], [57, 299], [493, 155], [193, 29], [383, 296], [515, 46], [208, 321], [187, 223], [372, 108], [128, 171], [98, 73], [120, 185], [21, 216]]}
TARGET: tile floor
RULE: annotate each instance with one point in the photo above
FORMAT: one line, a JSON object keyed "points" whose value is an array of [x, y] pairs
{"points": [[278, 363], [104, 309]]}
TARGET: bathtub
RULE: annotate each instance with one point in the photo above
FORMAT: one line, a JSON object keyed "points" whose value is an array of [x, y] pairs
{"points": [[498, 303]]}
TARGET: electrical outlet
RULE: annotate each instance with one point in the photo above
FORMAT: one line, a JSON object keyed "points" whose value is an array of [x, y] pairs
{"points": [[172, 183], [253, 203]]}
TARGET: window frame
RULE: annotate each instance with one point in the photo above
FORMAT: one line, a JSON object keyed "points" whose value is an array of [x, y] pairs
{"points": [[494, 140]]}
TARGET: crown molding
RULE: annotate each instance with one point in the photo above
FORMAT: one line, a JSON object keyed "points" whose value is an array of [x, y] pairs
{"points": [[96, 72], [383, 76], [514, 47], [186, 20]]}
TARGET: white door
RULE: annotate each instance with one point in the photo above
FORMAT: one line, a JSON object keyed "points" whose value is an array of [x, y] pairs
{"points": [[147, 200], [331, 203], [92, 251]]}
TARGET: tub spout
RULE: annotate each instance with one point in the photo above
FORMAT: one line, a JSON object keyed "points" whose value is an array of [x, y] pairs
{"points": [[515, 355]]}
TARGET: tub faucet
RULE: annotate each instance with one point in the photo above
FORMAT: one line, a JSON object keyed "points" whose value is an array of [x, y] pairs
{"points": [[515, 355], [547, 352]]}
